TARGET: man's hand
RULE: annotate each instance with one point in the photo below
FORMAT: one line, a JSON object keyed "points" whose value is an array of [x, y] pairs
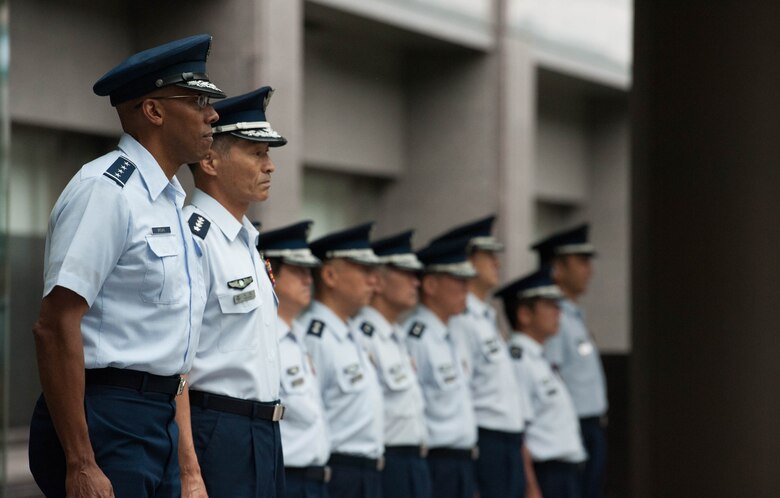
{"points": [[192, 486], [87, 481]]}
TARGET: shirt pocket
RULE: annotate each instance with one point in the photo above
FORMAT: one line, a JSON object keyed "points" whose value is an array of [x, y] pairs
{"points": [[445, 376], [295, 379], [238, 328], [164, 280], [397, 375], [492, 349], [351, 377]]}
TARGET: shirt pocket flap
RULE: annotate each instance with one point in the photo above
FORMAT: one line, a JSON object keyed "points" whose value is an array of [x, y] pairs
{"points": [[163, 246]]}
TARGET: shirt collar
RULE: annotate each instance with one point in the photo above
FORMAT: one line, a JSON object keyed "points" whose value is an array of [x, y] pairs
{"points": [[478, 306], [285, 330], [332, 321], [221, 217], [569, 307], [150, 170], [432, 321], [381, 326], [528, 344]]}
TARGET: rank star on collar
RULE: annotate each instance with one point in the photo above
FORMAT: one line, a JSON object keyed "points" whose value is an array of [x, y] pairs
{"points": [[240, 283]]}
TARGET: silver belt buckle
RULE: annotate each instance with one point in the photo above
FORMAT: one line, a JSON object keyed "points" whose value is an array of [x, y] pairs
{"points": [[326, 474], [380, 463], [423, 451], [278, 413], [182, 383]]}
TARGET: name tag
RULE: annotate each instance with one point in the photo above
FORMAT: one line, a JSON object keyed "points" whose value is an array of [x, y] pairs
{"points": [[160, 230], [243, 297]]}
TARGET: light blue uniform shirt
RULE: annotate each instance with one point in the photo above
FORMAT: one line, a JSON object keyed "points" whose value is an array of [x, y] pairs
{"points": [[117, 237], [403, 402], [554, 432], [572, 352], [238, 353], [350, 389], [449, 413], [305, 440], [498, 403]]}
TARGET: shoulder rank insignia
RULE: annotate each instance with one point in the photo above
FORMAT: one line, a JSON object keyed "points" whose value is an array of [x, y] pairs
{"points": [[367, 329], [199, 225], [417, 329], [120, 171], [516, 352], [240, 283], [315, 328]]}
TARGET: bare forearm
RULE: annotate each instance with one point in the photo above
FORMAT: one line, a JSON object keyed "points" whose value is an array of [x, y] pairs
{"points": [[532, 486], [192, 485], [61, 368]]}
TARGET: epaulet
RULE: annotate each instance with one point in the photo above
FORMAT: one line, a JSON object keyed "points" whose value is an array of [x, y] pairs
{"points": [[120, 171], [315, 328], [516, 352], [199, 225], [417, 329], [367, 329]]}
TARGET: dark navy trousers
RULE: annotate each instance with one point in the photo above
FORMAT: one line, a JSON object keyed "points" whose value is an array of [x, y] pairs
{"points": [[354, 480], [594, 439], [239, 456], [134, 436], [558, 479], [299, 487], [500, 471], [406, 474], [452, 476]]}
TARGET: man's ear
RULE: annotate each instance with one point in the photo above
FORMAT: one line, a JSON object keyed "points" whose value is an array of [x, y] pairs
{"points": [[153, 111], [329, 274], [523, 316], [210, 163], [429, 284]]}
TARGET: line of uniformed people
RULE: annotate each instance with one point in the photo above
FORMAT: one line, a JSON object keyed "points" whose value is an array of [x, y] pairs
{"points": [[420, 393], [166, 339]]}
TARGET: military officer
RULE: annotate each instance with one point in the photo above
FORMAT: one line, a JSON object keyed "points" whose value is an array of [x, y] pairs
{"points": [[572, 351], [496, 396], [305, 441], [553, 437], [449, 412], [123, 290], [350, 389], [406, 471], [234, 381]]}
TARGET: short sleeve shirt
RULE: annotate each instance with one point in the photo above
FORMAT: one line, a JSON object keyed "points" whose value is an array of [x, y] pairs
{"points": [[554, 432], [304, 430], [403, 402], [449, 413], [118, 238], [497, 400], [575, 356], [238, 352], [350, 389]]}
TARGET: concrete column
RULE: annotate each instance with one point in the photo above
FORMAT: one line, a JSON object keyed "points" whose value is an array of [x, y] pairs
{"points": [[706, 240], [278, 42], [516, 158]]}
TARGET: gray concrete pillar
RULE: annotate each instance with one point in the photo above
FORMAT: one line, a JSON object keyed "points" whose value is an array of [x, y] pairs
{"points": [[706, 240]]}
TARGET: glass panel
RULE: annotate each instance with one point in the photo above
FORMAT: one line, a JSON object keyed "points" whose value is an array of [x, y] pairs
{"points": [[4, 276]]}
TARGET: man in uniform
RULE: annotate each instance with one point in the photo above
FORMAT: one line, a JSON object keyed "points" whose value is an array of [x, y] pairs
{"points": [[449, 413], [123, 289], [234, 381], [305, 439], [553, 436], [406, 471], [496, 396], [572, 351], [350, 389]]}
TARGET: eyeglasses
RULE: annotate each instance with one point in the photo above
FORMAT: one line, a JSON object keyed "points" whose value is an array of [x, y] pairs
{"points": [[201, 100]]}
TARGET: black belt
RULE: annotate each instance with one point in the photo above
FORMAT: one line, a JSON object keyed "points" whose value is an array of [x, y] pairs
{"points": [[133, 379], [512, 437], [357, 461], [272, 411], [460, 454], [319, 474], [409, 451]]}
